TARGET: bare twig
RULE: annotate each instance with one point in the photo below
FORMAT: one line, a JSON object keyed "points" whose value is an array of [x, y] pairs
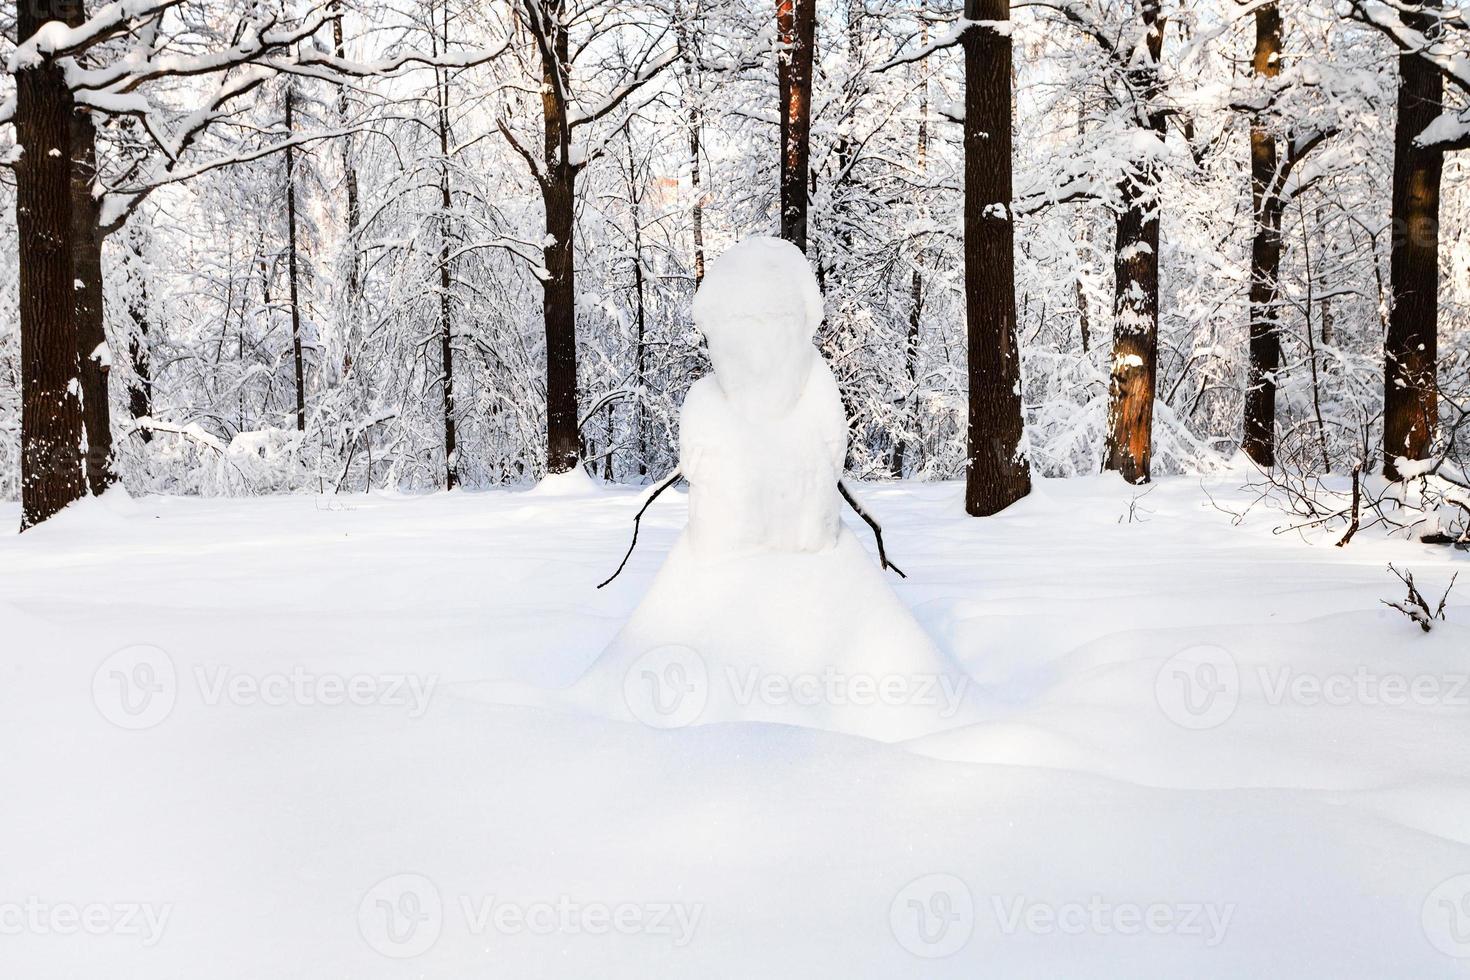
{"points": [[872, 523], [674, 478], [1357, 504], [1415, 606]]}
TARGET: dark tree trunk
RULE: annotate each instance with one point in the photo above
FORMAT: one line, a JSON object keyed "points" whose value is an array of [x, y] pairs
{"points": [[1266, 205], [692, 93], [354, 208], [796, 29], [640, 419], [910, 421], [1411, 348], [694, 124], [349, 166], [91, 333], [559, 288], [1134, 370], [1079, 290], [140, 391], [998, 474], [51, 413], [446, 322], [87, 271], [291, 267]]}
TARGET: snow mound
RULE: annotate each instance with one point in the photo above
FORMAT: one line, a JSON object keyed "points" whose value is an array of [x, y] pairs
{"points": [[815, 639], [768, 609], [573, 483]]}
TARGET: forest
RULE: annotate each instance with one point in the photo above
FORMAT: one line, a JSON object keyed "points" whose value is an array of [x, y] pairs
{"points": [[734, 488], [405, 246]]}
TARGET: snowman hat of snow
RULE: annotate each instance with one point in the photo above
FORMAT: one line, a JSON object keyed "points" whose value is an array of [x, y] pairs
{"points": [[758, 307]]}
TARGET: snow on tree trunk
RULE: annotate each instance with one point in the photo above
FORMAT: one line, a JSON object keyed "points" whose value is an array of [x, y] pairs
{"points": [[1410, 349], [291, 266], [559, 289], [998, 474], [446, 320], [51, 411], [796, 28], [1266, 206], [92, 352], [1133, 376]]}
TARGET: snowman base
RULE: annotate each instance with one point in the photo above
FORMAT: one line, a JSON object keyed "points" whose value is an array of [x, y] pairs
{"points": [[814, 639]]}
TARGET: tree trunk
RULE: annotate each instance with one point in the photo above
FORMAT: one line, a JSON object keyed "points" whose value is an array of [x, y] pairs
{"points": [[1266, 206], [446, 322], [291, 268], [1079, 289], [51, 414], [354, 208], [998, 474], [92, 351], [694, 124], [558, 288], [910, 421], [1134, 370], [796, 28], [140, 391], [1410, 350], [694, 95], [640, 419]]}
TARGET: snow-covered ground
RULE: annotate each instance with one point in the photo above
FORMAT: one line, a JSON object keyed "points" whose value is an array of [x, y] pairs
{"points": [[262, 738]]}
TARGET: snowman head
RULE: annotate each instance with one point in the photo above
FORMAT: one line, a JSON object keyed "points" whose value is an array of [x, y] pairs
{"points": [[758, 307]]}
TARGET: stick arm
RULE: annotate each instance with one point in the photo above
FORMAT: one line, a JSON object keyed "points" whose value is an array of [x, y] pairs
{"points": [[672, 479], [872, 522]]}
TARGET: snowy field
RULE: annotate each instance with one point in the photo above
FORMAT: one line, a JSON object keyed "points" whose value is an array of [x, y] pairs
{"points": [[270, 738]]}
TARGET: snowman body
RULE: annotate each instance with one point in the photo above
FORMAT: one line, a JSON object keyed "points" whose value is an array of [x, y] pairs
{"points": [[763, 484], [762, 438], [767, 588]]}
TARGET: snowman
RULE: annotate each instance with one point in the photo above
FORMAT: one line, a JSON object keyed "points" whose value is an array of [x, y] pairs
{"points": [[768, 608]]}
